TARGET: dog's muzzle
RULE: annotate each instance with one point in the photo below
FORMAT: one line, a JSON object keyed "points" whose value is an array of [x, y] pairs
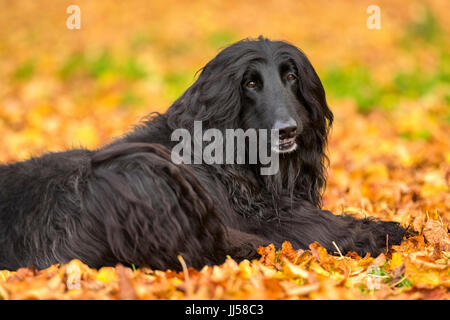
{"points": [[287, 134], [285, 145]]}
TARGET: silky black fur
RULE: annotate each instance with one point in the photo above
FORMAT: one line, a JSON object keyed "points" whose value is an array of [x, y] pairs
{"points": [[129, 203]]}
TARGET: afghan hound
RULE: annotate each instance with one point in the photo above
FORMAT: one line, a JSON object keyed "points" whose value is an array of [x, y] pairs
{"points": [[129, 203]]}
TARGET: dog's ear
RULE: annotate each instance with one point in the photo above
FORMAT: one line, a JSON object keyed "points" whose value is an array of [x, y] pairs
{"points": [[214, 99], [313, 140], [312, 94]]}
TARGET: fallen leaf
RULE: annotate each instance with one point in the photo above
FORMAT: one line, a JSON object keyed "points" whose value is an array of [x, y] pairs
{"points": [[268, 255], [436, 234], [126, 288]]}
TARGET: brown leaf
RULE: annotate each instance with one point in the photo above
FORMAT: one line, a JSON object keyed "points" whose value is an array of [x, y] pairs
{"points": [[23, 273], [319, 252], [288, 252], [268, 255], [126, 288], [418, 223], [380, 260], [397, 273], [353, 255], [436, 234]]}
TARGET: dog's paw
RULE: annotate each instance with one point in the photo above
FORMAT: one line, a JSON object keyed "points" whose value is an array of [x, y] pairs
{"points": [[394, 233], [244, 245]]}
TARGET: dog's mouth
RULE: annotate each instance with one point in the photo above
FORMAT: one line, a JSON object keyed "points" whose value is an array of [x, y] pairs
{"points": [[285, 146]]}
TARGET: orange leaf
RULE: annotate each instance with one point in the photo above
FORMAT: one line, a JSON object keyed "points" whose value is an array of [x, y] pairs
{"points": [[268, 255]]}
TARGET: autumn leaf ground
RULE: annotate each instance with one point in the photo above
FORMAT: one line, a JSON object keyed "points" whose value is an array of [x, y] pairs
{"points": [[389, 148]]}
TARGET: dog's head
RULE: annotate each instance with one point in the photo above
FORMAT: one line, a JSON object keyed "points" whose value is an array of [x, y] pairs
{"points": [[263, 84]]}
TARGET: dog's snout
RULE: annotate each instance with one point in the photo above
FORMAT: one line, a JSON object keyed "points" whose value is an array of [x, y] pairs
{"points": [[288, 132], [287, 129]]}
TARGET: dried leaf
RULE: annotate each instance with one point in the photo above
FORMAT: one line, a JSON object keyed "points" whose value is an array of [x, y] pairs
{"points": [[126, 288], [436, 234], [268, 255]]}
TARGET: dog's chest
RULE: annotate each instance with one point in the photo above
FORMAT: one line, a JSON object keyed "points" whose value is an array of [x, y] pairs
{"points": [[247, 198]]}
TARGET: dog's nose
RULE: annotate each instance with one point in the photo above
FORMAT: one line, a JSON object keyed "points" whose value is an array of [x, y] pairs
{"points": [[287, 129]]}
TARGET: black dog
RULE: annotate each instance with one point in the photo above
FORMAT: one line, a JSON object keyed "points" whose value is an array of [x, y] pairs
{"points": [[129, 203]]}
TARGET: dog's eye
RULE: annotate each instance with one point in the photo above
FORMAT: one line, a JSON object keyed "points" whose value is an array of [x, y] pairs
{"points": [[251, 85], [291, 77]]}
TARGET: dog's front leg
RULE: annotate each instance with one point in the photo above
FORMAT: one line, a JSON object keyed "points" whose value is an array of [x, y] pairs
{"points": [[368, 235]]}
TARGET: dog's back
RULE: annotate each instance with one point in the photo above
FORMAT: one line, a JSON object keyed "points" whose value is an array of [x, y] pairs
{"points": [[124, 203]]}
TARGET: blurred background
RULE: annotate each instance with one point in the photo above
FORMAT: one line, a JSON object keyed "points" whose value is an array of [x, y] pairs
{"points": [[389, 88]]}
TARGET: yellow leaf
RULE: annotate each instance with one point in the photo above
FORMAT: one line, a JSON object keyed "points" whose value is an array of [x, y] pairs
{"points": [[246, 269], [291, 270], [106, 274], [397, 260]]}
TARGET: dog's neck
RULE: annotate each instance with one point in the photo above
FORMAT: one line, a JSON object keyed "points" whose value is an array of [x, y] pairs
{"points": [[294, 179]]}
